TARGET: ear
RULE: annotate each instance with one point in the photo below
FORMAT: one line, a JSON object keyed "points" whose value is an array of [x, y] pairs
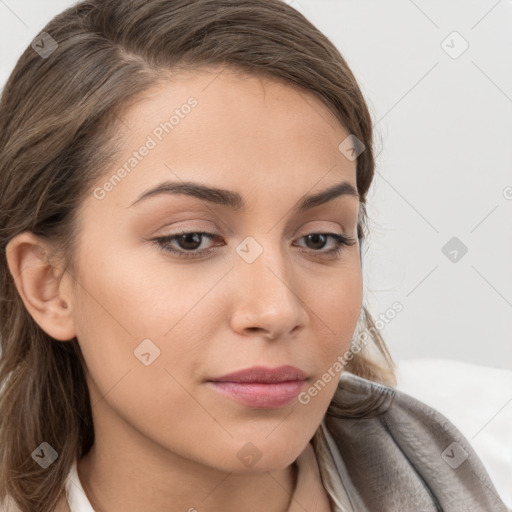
{"points": [[39, 286]]}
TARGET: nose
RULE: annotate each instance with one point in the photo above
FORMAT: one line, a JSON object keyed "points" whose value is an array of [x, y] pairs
{"points": [[267, 298]]}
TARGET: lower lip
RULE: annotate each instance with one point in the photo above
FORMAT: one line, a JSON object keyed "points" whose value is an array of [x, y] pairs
{"points": [[260, 395]]}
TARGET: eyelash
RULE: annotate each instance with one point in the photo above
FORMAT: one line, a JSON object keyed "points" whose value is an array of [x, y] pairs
{"points": [[163, 244]]}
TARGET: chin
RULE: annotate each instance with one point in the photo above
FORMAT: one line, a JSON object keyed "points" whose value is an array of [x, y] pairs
{"points": [[267, 455]]}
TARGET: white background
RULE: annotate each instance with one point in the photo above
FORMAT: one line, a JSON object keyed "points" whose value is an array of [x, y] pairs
{"points": [[444, 144]]}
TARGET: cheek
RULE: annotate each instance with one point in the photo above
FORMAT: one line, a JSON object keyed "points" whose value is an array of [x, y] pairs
{"points": [[135, 337], [335, 328], [337, 306], [141, 332], [135, 370]]}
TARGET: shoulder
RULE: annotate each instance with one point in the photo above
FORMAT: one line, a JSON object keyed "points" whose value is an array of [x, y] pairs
{"points": [[402, 454]]}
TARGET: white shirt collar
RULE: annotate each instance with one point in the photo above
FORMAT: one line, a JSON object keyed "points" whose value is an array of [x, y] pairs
{"points": [[77, 499]]}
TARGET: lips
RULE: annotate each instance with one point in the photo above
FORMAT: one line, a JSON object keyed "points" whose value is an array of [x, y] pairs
{"points": [[260, 387], [261, 374]]}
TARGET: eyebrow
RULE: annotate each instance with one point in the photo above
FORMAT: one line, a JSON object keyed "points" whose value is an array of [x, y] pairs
{"points": [[236, 202]]}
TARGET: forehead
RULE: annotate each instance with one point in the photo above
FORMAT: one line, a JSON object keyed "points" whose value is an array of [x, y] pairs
{"points": [[225, 105], [227, 128]]}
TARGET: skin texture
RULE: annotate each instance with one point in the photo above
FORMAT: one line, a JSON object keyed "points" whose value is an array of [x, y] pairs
{"points": [[164, 439]]}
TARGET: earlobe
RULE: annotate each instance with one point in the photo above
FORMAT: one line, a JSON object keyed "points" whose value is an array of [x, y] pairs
{"points": [[39, 286]]}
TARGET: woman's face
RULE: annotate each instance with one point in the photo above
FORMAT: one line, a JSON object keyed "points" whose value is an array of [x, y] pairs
{"points": [[155, 327]]}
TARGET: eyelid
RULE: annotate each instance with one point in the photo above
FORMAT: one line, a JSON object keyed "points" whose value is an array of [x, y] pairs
{"points": [[212, 231], [343, 241]]}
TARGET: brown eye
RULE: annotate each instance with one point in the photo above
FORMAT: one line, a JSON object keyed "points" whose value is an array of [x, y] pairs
{"points": [[186, 244], [319, 239]]}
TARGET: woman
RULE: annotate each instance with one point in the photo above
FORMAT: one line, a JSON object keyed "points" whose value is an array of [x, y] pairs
{"points": [[183, 212]]}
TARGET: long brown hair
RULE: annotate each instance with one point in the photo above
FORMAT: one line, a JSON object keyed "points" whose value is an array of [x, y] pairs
{"points": [[58, 116]]}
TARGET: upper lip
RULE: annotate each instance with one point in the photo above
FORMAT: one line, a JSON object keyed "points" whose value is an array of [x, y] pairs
{"points": [[263, 374]]}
